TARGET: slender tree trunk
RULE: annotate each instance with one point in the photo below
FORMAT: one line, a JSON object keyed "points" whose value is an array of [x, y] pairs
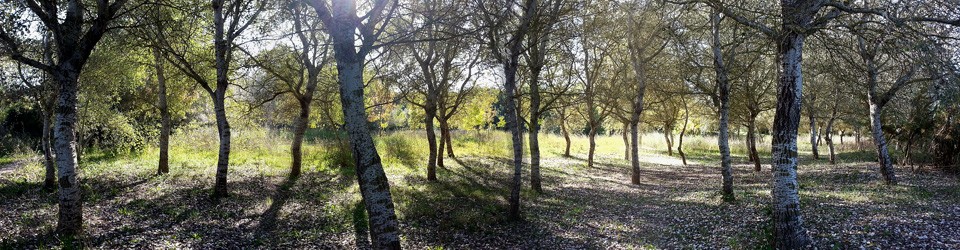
{"points": [[432, 144], [813, 130], [788, 229], [566, 136], [723, 88], [626, 141], [534, 131], [70, 213], [752, 144], [440, 145], [883, 155], [447, 137], [163, 163], [683, 131], [593, 145], [50, 168], [856, 136], [223, 156], [828, 136], [513, 124]]}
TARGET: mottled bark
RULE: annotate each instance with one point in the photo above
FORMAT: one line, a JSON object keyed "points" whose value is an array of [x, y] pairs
{"points": [[510, 86], [374, 187], [880, 142], [70, 213], [221, 53], [163, 162], [723, 89], [788, 229], [447, 137], [592, 137], [534, 131]]}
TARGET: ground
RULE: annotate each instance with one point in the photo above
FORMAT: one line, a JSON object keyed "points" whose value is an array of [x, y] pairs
{"points": [[676, 206]]}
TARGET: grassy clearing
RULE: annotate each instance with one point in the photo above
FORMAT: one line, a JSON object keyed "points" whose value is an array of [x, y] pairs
{"points": [[675, 206]]}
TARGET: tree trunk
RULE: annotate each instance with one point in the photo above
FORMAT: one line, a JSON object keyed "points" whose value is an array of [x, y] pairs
{"points": [[883, 155], [534, 131], [223, 156], [788, 229], [50, 168], [668, 138], [626, 141], [723, 88], [440, 145], [510, 86], [299, 130], [683, 131], [566, 136], [447, 137], [593, 145], [828, 136], [856, 136], [752, 144], [163, 163], [70, 213], [813, 131], [432, 144]]}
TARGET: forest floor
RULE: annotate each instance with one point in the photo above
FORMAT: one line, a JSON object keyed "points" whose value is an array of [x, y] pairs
{"points": [[676, 206]]}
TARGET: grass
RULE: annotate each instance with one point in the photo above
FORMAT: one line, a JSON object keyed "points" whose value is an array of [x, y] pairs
{"points": [[675, 206]]}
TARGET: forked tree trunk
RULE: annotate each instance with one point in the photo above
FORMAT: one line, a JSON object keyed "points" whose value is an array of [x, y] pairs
{"points": [[668, 138], [70, 213], [513, 124], [163, 163], [788, 229]]}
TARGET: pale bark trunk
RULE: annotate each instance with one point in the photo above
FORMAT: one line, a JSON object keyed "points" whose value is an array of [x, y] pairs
{"points": [[163, 163], [788, 229], [626, 141], [668, 138], [221, 53], [723, 88], [374, 186], [70, 213], [883, 154], [813, 131]]}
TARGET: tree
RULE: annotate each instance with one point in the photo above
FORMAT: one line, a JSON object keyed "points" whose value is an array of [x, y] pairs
{"points": [[341, 23], [75, 36], [443, 70], [505, 40]]}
